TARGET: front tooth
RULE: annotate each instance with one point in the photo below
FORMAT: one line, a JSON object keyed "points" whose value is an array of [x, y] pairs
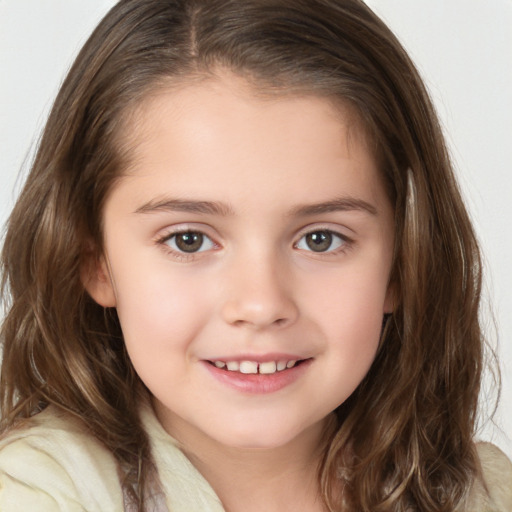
{"points": [[291, 364], [248, 367], [219, 364], [268, 367], [233, 366], [281, 365]]}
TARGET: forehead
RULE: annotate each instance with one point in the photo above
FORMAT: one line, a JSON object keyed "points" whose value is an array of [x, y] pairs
{"points": [[189, 97], [193, 136]]}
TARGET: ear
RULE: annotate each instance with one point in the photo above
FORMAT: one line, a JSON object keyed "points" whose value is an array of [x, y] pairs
{"points": [[96, 278]]}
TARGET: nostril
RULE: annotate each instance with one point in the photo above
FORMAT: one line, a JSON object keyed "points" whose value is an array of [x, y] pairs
{"points": [[279, 322]]}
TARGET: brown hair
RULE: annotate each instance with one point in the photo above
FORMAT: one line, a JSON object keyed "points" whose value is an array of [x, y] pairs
{"points": [[403, 440]]}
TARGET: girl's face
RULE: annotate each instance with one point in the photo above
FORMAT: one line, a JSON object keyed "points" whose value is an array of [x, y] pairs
{"points": [[247, 251]]}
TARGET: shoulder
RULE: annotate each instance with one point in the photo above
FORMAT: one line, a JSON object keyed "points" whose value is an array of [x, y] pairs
{"points": [[51, 463], [493, 491], [183, 486]]}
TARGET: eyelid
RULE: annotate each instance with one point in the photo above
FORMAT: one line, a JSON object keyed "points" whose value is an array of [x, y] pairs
{"points": [[174, 246], [335, 229], [169, 231], [167, 234], [347, 242]]}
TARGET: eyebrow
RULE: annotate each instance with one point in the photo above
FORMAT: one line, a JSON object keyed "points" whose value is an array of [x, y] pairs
{"points": [[183, 205], [223, 209], [335, 205]]}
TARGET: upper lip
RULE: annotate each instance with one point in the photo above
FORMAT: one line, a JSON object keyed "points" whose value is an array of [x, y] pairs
{"points": [[259, 358]]}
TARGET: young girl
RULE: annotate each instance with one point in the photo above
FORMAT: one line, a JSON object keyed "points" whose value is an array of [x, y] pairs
{"points": [[240, 276]]}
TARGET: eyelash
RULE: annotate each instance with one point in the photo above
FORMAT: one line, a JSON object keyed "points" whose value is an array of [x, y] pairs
{"points": [[176, 252], [344, 242]]}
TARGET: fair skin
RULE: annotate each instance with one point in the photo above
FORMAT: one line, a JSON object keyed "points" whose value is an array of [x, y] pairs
{"points": [[250, 234]]}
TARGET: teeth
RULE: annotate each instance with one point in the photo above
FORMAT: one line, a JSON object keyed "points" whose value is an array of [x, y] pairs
{"points": [[248, 367], [268, 368], [252, 367]]}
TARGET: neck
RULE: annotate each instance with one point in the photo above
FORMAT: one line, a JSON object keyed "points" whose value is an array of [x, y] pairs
{"points": [[272, 479]]}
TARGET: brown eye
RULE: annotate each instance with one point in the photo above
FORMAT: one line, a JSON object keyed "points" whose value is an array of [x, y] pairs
{"points": [[190, 242], [321, 241]]}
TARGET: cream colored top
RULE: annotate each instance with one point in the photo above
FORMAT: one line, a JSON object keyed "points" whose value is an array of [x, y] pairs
{"points": [[56, 466]]}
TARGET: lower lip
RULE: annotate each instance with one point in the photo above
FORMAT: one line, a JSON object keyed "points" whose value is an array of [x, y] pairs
{"points": [[256, 383]]}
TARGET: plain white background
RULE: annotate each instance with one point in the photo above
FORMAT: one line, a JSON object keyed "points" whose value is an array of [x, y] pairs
{"points": [[463, 49]]}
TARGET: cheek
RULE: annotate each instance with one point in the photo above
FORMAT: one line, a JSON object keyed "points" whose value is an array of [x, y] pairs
{"points": [[160, 318], [158, 308], [353, 297], [350, 313]]}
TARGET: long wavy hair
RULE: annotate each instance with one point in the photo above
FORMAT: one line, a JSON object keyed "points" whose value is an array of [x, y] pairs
{"points": [[404, 440]]}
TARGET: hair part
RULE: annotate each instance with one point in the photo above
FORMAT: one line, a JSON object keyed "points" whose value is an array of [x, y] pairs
{"points": [[414, 449]]}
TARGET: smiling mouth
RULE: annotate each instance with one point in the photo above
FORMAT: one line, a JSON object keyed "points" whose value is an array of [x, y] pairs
{"points": [[253, 367]]}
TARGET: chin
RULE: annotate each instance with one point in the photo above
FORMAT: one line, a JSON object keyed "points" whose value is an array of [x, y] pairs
{"points": [[259, 436], [258, 443]]}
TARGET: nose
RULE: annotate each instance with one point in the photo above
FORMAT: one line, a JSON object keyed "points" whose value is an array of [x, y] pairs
{"points": [[258, 295]]}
